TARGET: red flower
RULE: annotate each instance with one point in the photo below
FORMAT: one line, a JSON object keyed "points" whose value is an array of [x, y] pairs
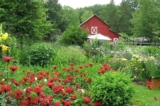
{"points": [[80, 66], [18, 94], [7, 59], [58, 89], [69, 89], [72, 64], [76, 71], [66, 103], [155, 98], [28, 90], [37, 90], [13, 68], [50, 84], [47, 101], [57, 104], [86, 100], [90, 64], [98, 103], [24, 103], [88, 80], [6, 88], [83, 74], [86, 65], [54, 67], [149, 85]]}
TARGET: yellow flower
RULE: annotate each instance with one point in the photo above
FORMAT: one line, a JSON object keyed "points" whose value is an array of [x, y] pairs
{"points": [[4, 48], [5, 36]]}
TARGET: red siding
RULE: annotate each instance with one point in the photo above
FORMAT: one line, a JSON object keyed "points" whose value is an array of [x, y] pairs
{"points": [[103, 28]]}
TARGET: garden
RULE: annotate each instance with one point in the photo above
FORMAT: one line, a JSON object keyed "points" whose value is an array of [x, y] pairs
{"points": [[47, 74]]}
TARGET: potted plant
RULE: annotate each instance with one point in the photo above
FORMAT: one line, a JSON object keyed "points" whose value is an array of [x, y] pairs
{"points": [[152, 71], [156, 78]]}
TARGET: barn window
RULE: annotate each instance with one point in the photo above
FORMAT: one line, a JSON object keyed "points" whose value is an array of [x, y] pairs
{"points": [[94, 30], [115, 40]]}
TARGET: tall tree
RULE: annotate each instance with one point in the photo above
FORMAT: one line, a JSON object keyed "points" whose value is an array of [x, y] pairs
{"points": [[70, 16], [55, 15], [125, 11], [24, 19], [110, 16], [86, 14], [145, 19], [96, 9]]}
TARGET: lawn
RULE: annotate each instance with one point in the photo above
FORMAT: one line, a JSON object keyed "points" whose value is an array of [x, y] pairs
{"points": [[145, 97]]}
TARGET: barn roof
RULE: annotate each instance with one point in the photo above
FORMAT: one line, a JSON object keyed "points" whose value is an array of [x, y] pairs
{"points": [[92, 17]]}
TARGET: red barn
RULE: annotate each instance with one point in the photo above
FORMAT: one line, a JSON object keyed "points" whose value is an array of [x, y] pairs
{"points": [[95, 25]]}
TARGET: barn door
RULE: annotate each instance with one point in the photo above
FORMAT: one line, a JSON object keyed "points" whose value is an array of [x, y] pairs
{"points": [[94, 30]]}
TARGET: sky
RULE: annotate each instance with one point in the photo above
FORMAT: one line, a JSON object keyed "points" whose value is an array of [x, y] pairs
{"points": [[82, 3]]}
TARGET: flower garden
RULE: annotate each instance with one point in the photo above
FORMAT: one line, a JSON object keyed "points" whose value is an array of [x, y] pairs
{"points": [[49, 75]]}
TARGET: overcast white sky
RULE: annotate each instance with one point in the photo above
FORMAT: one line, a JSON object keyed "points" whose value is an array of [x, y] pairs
{"points": [[82, 3]]}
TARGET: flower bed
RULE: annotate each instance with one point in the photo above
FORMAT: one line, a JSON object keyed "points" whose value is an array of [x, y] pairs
{"points": [[67, 86]]}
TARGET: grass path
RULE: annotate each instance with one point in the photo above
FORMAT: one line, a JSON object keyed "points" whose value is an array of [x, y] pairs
{"points": [[145, 97]]}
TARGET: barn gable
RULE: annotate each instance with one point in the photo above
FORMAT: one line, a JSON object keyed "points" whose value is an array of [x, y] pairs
{"points": [[95, 25]]}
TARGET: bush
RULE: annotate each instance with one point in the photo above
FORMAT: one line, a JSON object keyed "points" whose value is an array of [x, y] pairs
{"points": [[38, 54], [112, 88], [65, 55], [74, 36]]}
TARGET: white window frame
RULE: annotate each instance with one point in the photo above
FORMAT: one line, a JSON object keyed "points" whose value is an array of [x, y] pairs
{"points": [[94, 30]]}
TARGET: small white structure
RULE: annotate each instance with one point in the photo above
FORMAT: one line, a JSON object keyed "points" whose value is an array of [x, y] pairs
{"points": [[99, 37]]}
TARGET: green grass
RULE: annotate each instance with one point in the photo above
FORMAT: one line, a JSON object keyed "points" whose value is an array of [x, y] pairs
{"points": [[145, 96]]}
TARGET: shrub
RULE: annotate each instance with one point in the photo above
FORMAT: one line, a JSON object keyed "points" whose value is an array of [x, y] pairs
{"points": [[38, 54], [112, 88], [74, 36]]}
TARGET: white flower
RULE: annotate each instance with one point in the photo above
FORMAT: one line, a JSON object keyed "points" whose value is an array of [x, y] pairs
{"points": [[134, 77], [45, 80], [24, 90], [82, 90], [3, 79], [35, 78]]}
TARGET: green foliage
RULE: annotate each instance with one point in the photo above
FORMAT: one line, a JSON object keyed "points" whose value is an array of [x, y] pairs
{"points": [[112, 88], [71, 17], [38, 54], [74, 36], [118, 63], [152, 51], [65, 55], [145, 19], [55, 16], [25, 20]]}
